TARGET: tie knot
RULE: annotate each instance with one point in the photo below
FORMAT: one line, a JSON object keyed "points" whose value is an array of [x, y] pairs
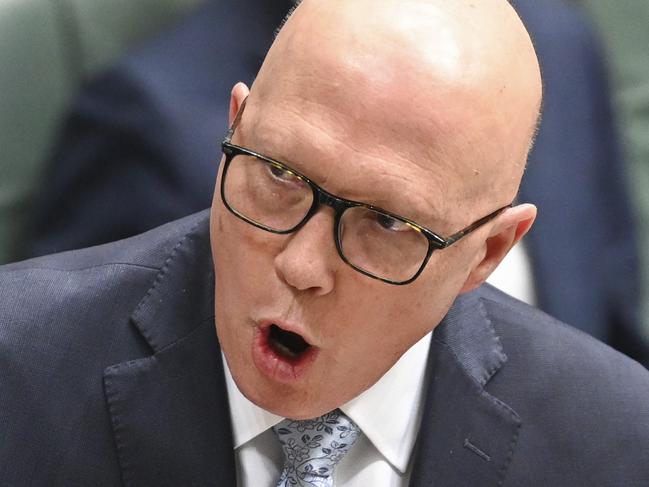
{"points": [[314, 447]]}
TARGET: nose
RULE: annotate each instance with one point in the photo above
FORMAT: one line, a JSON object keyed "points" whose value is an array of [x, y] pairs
{"points": [[309, 258]]}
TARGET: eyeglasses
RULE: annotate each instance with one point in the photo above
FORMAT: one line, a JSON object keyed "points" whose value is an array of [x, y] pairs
{"points": [[271, 196]]}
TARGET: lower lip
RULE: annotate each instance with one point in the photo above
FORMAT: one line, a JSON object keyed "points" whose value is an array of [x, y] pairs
{"points": [[276, 366]]}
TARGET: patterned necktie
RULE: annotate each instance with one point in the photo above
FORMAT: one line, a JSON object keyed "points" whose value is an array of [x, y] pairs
{"points": [[314, 447]]}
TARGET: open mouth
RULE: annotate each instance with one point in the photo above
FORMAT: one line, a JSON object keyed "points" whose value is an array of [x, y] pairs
{"points": [[282, 355], [287, 344]]}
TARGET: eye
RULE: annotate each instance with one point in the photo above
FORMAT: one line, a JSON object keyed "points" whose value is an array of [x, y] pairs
{"points": [[281, 173], [391, 224]]}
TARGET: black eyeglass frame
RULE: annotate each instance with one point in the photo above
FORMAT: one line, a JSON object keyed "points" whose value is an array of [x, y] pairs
{"points": [[339, 205]]}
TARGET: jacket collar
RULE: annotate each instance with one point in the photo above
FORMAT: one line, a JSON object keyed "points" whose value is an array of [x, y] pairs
{"points": [[169, 411], [467, 436]]}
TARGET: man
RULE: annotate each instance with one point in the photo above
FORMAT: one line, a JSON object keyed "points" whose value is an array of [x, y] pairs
{"points": [[363, 200], [139, 149]]}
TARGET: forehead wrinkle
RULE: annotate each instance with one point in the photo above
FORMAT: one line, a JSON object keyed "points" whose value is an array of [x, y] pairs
{"points": [[362, 128], [281, 140], [406, 196]]}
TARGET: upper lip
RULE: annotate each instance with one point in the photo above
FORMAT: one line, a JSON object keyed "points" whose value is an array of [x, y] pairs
{"points": [[286, 326]]}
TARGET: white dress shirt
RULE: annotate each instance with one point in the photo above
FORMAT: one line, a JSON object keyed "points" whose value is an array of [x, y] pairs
{"points": [[388, 413]]}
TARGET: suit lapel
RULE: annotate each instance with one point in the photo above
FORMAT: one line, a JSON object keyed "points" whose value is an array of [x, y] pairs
{"points": [[467, 436], [169, 411]]}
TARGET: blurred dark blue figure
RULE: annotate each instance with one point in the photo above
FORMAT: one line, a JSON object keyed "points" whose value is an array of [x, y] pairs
{"points": [[583, 245], [141, 147]]}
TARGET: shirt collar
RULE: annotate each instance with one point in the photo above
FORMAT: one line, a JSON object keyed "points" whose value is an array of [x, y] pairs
{"points": [[388, 413]]}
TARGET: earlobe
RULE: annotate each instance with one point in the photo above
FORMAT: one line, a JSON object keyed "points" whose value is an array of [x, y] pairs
{"points": [[506, 231], [239, 93]]}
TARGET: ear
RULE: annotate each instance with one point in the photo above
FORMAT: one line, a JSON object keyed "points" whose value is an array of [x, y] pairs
{"points": [[239, 93], [506, 231]]}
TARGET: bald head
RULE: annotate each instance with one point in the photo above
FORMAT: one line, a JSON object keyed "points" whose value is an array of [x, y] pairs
{"points": [[452, 87]]}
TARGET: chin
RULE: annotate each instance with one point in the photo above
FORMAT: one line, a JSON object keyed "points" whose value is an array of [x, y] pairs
{"points": [[285, 401]]}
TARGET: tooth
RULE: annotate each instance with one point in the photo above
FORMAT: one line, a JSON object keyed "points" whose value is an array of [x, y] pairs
{"points": [[284, 350], [281, 348]]}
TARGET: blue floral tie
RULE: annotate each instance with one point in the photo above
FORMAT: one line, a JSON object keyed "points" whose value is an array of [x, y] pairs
{"points": [[314, 447]]}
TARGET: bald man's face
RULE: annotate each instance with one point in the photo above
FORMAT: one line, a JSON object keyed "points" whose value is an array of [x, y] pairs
{"points": [[427, 139]]}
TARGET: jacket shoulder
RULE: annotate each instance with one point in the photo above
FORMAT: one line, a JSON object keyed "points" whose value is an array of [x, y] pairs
{"points": [[147, 250], [82, 297], [531, 336], [64, 319], [579, 401]]}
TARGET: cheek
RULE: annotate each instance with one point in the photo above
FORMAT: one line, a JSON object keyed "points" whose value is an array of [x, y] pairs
{"points": [[240, 269], [393, 318], [381, 324], [241, 252]]}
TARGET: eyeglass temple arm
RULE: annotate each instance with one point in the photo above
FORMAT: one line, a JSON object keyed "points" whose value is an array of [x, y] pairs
{"points": [[230, 133], [474, 226]]}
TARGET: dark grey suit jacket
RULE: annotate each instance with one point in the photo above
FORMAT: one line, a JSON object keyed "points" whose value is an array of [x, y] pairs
{"points": [[111, 375]]}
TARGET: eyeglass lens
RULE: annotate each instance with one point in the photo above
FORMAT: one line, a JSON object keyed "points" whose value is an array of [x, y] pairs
{"points": [[272, 196]]}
